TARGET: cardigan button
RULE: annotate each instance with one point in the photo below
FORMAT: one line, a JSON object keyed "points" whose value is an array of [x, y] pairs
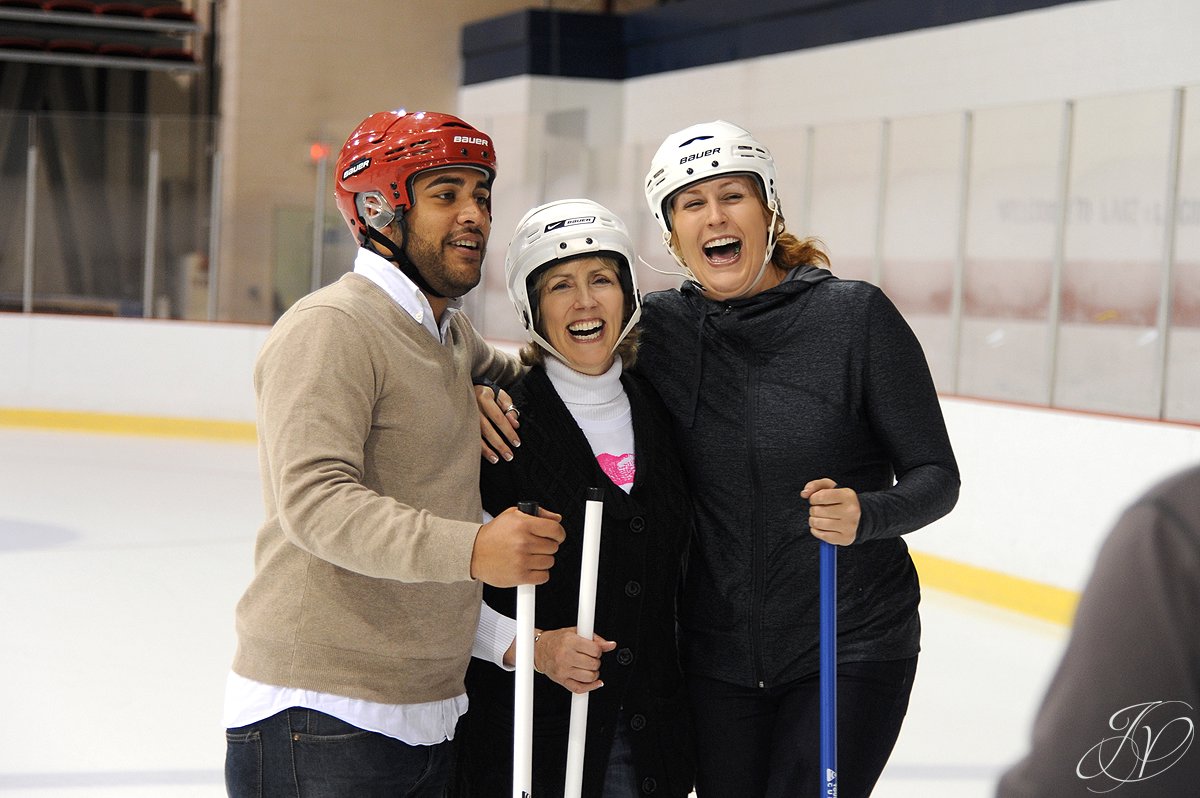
{"points": [[637, 722], [649, 785], [624, 656], [633, 588], [637, 524]]}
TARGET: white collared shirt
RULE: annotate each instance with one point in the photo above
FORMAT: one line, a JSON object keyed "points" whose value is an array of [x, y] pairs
{"points": [[248, 701], [404, 292]]}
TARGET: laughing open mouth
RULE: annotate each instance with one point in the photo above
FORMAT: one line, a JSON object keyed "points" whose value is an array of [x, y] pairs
{"points": [[586, 330], [723, 250]]}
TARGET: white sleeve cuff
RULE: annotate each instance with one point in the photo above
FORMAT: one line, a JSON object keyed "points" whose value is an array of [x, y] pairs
{"points": [[493, 636]]}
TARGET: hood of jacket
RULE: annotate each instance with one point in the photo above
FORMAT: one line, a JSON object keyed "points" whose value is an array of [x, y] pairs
{"points": [[752, 323]]}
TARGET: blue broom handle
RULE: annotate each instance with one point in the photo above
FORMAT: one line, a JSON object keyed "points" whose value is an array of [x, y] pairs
{"points": [[828, 670]]}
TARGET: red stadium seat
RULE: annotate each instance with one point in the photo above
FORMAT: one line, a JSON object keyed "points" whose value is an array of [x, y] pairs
{"points": [[71, 6], [170, 12], [171, 54], [77, 46], [120, 9], [21, 43]]}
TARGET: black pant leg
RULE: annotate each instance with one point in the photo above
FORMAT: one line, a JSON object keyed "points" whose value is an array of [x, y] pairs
{"points": [[765, 742]]}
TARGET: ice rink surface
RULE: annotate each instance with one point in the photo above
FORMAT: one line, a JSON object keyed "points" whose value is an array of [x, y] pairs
{"points": [[121, 559]]}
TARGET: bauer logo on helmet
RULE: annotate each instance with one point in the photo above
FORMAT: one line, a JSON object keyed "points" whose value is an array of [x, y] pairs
{"points": [[355, 168], [569, 222], [696, 155]]}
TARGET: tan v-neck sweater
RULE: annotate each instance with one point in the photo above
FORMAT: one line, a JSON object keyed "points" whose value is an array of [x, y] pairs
{"points": [[369, 454]]}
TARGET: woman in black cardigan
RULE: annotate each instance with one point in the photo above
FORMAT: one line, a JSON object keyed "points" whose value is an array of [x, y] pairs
{"points": [[588, 424]]}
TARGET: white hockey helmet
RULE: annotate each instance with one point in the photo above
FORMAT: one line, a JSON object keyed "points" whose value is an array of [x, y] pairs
{"points": [[560, 230], [701, 152]]}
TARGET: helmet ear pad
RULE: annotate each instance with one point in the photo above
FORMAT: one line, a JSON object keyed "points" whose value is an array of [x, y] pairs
{"points": [[374, 209], [376, 215], [531, 292]]}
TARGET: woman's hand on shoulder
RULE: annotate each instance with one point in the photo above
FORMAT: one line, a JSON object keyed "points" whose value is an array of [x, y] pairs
{"points": [[498, 422], [570, 660], [833, 512]]}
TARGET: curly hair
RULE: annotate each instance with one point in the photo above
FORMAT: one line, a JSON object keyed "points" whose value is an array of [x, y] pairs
{"points": [[792, 251]]}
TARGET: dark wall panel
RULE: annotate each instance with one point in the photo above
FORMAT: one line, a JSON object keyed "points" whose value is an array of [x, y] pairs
{"points": [[691, 33]]}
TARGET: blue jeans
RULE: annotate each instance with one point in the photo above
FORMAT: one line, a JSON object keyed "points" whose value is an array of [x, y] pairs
{"points": [[302, 753], [620, 780]]}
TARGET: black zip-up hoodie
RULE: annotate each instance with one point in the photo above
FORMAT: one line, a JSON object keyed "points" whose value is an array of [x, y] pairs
{"points": [[816, 377]]}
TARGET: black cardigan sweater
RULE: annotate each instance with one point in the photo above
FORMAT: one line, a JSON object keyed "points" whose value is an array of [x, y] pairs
{"points": [[816, 377], [643, 541]]}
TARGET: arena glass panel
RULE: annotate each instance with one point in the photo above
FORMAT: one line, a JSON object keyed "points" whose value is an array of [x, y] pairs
{"points": [[91, 214], [181, 281], [1012, 217], [1108, 341], [1182, 401], [922, 217], [14, 132], [845, 195], [791, 148]]}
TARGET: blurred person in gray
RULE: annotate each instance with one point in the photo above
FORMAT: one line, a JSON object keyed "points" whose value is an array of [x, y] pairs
{"points": [[1121, 711]]}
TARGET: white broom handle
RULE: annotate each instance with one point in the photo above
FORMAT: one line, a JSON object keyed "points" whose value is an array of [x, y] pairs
{"points": [[584, 625], [522, 781]]}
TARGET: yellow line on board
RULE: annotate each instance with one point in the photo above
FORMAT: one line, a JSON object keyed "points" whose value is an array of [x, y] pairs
{"points": [[1014, 593], [118, 424]]}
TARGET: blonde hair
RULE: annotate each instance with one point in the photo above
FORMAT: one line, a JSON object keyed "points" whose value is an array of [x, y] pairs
{"points": [[533, 354]]}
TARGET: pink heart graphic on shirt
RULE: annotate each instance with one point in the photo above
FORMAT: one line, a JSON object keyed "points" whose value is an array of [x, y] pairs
{"points": [[618, 467]]}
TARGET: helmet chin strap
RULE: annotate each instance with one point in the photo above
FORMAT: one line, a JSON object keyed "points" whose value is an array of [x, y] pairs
{"points": [[549, 347], [397, 257], [771, 240], [686, 273], [762, 270]]}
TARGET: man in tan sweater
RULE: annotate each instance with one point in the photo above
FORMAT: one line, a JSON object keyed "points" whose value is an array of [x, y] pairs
{"points": [[355, 633]]}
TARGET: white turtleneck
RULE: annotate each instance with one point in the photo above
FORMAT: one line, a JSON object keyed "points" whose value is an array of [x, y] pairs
{"points": [[601, 409]]}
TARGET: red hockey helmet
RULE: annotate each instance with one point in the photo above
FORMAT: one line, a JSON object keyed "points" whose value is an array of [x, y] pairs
{"points": [[377, 164]]}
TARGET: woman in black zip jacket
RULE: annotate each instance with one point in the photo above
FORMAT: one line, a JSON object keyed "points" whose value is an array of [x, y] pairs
{"points": [[805, 411]]}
